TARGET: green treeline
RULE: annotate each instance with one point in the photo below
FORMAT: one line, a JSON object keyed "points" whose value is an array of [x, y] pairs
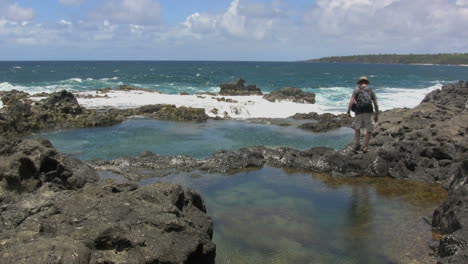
{"points": [[449, 58]]}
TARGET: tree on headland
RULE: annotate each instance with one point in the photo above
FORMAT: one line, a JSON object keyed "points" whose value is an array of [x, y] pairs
{"points": [[442, 58]]}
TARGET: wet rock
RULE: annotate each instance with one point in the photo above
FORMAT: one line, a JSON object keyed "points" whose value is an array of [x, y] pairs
{"points": [[325, 125], [181, 114], [55, 211], [13, 97], [223, 99], [296, 95], [316, 116], [239, 88], [324, 122]]}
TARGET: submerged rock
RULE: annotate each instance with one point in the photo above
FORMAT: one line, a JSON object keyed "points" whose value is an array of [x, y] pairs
{"points": [[238, 88], [296, 95], [323, 122], [54, 210]]}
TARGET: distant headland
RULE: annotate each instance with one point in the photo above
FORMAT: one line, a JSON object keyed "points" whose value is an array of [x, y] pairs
{"points": [[421, 59]]}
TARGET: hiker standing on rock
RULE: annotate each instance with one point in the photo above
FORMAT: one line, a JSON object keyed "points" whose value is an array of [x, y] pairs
{"points": [[361, 104]]}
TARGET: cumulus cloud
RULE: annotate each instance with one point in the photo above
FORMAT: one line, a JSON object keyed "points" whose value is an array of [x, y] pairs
{"points": [[15, 12], [397, 25], [243, 19], [128, 12]]}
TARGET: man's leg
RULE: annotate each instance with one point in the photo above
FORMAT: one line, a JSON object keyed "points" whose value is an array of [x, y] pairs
{"points": [[366, 140], [357, 139], [370, 127]]}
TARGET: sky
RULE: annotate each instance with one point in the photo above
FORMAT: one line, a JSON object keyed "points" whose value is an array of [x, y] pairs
{"points": [[247, 30]]}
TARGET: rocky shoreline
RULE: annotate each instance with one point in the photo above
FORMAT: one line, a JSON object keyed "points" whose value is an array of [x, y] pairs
{"points": [[427, 143]]}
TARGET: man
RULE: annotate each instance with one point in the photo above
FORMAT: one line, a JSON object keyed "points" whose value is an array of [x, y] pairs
{"points": [[361, 103]]}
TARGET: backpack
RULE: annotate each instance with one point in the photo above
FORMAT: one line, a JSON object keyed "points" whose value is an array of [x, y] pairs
{"points": [[363, 102]]}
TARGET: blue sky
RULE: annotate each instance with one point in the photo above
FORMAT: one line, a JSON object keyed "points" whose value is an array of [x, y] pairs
{"points": [[228, 29]]}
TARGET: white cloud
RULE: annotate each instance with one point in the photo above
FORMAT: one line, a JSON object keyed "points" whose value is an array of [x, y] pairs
{"points": [[243, 19], [17, 13], [71, 2], [65, 22], [390, 25], [128, 12]]}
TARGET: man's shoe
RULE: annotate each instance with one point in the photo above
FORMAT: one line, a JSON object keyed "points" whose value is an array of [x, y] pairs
{"points": [[356, 147]]}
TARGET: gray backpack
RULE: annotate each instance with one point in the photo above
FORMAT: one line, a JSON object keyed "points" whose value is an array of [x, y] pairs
{"points": [[363, 101]]}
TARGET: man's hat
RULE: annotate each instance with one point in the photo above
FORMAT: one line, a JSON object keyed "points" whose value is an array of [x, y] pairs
{"points": [[363, 79]]}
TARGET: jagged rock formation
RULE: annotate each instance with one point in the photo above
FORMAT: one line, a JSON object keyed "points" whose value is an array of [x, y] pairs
{"points": [[54, 210]]}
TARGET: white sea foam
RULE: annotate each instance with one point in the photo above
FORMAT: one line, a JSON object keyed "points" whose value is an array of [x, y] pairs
{"points": [[328, 100], [78, 80], [5, 86], [17, 67], [1, 103], [246, 106]]}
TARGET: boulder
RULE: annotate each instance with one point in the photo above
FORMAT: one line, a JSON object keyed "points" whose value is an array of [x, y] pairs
{"points": [[61, 102], [295, 95], [239, 88]]}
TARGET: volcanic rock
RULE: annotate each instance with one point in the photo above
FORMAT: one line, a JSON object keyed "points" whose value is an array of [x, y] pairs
{"points": [[54, 210], [238, 88], [296, 95]]}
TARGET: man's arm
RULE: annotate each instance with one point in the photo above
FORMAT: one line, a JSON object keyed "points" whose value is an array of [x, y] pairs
{"points": [[376, 107], [351, 102]]}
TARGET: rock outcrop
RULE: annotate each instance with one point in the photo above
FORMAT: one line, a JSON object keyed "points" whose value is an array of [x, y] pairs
{"points": [[239, 88], [54, 210], [296, 95], [322, 122], [61, 110]]}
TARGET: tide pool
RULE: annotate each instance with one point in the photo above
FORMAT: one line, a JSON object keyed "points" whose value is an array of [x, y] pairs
{"points": [[276, 216], [198, 140]]}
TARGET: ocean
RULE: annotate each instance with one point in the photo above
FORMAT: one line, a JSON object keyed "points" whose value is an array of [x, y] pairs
{"points": [[395, 85]]}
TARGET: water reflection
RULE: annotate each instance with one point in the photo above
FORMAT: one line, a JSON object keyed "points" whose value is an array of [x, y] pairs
{"points": [[275, 216]]}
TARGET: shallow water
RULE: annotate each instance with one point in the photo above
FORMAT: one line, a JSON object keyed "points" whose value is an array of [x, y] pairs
{"points": [[274, 216], [199, 140]]}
